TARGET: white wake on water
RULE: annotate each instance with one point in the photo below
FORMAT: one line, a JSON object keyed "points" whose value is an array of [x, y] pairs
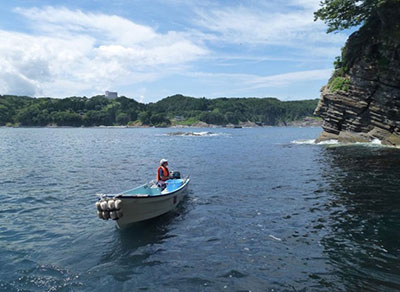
{"points": [[196, 134], [374, 143]]}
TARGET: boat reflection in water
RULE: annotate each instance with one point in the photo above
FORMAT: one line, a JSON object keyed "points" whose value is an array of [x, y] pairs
{"points": [[139, 246]]}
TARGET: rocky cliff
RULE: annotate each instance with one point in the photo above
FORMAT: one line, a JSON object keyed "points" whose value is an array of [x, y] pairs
{"points": [[361, 101]]}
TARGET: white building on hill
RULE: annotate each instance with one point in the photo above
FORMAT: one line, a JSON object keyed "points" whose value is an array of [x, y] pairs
{"points": [[111, 95]]}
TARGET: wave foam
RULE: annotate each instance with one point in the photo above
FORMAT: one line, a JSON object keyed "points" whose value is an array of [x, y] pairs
{"points": [[329, 142], [312, 142], [194, 134], [303, 141], [374, 143]]}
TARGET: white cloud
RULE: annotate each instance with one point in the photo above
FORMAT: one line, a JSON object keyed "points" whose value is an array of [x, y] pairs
{"points": [[58, 21], [261, 25], [280, 80], [310, 5], [271, 81], [72, 51], [247, 85], [17, 84]]}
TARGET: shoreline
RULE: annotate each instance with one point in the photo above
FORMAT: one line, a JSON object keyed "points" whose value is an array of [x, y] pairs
{"points": [[153, 127], [307, 122]]}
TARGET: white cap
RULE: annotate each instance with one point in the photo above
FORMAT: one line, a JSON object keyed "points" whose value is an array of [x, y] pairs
{"points": [[162, 161]]}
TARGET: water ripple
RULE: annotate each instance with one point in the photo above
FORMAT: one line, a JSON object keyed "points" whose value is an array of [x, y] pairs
{"points": [[262, 214]]}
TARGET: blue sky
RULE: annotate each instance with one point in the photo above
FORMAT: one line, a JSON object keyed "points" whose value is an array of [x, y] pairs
{"points": [[148, 50]]}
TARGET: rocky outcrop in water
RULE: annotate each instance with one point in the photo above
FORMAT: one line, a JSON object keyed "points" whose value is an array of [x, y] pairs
{"points": [[361, 101]]}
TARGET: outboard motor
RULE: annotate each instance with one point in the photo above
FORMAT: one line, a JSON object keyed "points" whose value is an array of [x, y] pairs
{"points": [[176, 175]]}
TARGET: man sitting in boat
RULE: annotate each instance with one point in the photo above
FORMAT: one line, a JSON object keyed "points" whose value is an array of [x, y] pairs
{"points": [[163, 173]]}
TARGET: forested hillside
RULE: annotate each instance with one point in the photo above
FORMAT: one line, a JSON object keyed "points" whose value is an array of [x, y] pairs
{"points": [[177, 109]]}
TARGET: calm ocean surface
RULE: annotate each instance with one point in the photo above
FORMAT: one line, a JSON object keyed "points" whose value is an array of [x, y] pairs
{"points": [[263, 213]]}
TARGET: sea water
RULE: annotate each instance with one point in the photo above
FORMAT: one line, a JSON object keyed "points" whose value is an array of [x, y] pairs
{"points": [[267, 210]]}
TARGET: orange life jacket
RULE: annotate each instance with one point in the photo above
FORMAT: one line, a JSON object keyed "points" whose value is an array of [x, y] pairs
{"points": [[165, 173]]}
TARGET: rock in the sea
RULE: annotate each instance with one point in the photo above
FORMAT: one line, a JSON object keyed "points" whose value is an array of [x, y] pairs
{"points": [[362, 99]]}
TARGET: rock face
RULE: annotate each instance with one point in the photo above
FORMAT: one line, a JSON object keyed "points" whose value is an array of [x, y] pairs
{"points": [[362, 99], [306, 122]]}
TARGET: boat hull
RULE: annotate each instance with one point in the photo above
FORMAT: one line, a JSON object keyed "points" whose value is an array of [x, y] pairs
{"points": [[137, 209]]}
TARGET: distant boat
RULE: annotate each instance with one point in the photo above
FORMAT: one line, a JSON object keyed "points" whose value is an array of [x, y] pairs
{"points": [[141, 203]]}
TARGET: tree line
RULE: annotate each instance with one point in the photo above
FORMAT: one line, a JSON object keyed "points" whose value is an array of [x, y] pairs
{"points": [[177, 109]]}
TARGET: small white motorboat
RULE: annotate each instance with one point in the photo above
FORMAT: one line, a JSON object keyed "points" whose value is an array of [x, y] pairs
{"points": [[141, 203]]}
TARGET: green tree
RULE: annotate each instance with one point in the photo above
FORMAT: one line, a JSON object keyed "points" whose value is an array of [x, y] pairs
{"points": [[343, 14], [4, 115], [97, 118], [42, 118], [97, 102], [122, 119], [27, 116], [231, 118], [144, 117], [67, 118], [112, 109], [132, 114], [159, 120], [213, 118]]}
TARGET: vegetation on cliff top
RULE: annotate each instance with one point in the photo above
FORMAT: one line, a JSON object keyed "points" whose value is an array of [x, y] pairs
{"points": [[338, 83], [177, 109], [372, 42], [375, 17], [343, 14]]}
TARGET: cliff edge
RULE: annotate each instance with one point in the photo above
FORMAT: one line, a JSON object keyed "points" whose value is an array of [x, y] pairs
{"points": [[361, 101]]}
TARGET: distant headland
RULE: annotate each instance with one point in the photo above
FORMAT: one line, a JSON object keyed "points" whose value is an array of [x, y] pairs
{"points": [[172, 111]]}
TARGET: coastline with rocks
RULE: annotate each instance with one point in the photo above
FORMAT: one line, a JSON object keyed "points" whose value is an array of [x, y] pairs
{"points": [[305, 122]]}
